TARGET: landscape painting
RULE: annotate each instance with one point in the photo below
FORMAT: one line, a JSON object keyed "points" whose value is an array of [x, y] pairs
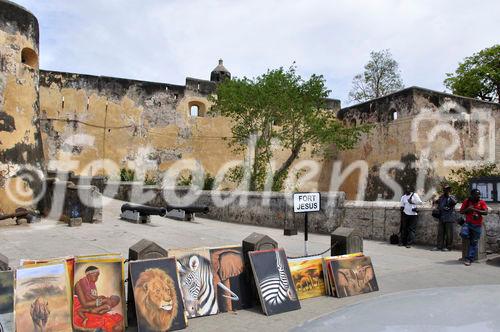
{"points": [[158, 298], [6, 301], [307, 274], [196, 280], [98, 294], [70, 262], [42, 300], [353, 276], [273, 281]]}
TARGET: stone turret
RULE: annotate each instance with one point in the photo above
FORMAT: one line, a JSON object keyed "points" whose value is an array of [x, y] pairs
{"points": [[220, 73], [20, 139]]}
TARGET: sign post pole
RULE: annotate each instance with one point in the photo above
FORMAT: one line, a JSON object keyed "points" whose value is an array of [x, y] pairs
{"points": [[305, 203], [306, 234]]}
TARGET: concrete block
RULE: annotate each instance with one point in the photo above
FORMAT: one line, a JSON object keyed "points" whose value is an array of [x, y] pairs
{"points": [[135, 217], [346, 240], [176, 214], [75, 222], [144, 249]]}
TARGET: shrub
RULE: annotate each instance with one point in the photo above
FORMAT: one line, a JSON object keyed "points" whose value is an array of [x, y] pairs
{"points": [[127, 174], [185, 180], [459, 179], [208, 182]]}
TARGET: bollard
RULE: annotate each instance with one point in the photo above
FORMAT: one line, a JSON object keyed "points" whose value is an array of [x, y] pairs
{"points": [[346, 240], [255, 242], [144, 249]]}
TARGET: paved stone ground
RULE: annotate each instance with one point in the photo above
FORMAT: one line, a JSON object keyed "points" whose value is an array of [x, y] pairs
{"points": [[397, 268]]}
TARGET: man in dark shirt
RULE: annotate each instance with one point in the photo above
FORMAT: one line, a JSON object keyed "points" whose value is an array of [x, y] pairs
{"points": [[474, 209], [446, 225]]}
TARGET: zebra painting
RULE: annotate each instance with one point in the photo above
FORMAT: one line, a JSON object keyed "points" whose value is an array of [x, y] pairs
{"points": [[272, 274], [198, 290]]}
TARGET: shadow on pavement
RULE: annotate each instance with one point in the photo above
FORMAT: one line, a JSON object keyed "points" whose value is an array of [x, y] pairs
{"points": [[494, 261]]}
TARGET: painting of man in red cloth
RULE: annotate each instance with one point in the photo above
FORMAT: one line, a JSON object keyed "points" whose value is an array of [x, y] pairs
{"points": [[93, 311]]}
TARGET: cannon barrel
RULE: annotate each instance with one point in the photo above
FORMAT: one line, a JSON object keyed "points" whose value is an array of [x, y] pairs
{"points": [[189, 208], [144, 210]]}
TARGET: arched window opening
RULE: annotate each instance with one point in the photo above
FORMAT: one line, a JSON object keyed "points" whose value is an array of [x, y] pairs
{"points": [[197, 109], [29, 57], [194, 110]]}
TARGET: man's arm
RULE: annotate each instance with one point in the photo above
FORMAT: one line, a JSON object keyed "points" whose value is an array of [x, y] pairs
{"points": [[416, 199], [464, 209], [483, 208]]}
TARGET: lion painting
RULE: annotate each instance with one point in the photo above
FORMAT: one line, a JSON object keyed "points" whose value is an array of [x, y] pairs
{"points": [[155, 299]]}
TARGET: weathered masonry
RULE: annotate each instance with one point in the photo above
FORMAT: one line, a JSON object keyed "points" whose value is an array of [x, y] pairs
{"points": [[20, 138], [418, 136], [77, 122]]}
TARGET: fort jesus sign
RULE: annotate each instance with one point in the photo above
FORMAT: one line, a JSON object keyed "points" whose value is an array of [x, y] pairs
{"points": [[304, 203]]}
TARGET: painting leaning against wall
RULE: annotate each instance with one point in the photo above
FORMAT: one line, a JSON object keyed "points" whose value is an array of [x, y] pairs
{"points": [[197, 281], [6, 301], [157, 295], [307, 274], [43, 298], [98, 298], [353, 276], [230, 279], [274, 282]]}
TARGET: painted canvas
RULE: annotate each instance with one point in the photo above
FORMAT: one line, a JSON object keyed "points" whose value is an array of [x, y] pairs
{"points": [[230, 279], [307, 274], [328, 274], [274, 282], [98, 295], [42, 300], [197, 281], [158, 298], [353, 276], [6, 301], [70, 262]]}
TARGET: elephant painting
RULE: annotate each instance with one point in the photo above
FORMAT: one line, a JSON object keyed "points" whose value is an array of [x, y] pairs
{"points": [[228, 267], [354, 276]]}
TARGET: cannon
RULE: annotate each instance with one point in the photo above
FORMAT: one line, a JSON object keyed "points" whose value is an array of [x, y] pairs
{"points": [[144, 210], [142, 213], [22, 216]]}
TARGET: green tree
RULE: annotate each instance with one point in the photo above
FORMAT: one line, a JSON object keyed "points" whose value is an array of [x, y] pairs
{"points": [[459, 179], [280, 106], [381, 77], [478, 76]]}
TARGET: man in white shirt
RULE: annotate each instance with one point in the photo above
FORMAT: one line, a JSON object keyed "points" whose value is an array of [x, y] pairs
{"points": [[409, 202]]}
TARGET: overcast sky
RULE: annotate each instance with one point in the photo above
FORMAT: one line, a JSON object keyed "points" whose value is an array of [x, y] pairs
{"points": [[167, 40]]}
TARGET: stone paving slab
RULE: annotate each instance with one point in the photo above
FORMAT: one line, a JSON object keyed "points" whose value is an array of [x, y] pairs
{"points": [[397, 268]]}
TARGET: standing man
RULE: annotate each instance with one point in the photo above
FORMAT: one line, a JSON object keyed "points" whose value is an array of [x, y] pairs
{"points": [[409, 202], [446, 224], [474, 209]]}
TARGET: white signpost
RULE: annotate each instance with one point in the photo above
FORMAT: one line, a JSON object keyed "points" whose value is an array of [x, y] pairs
{"points": [[304, 203]]}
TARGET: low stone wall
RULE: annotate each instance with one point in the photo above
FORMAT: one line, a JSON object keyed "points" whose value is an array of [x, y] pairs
{"points": [[376, 220]]}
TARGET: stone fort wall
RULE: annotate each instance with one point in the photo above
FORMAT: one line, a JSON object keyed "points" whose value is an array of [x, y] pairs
{"points": [[375, 220], [418, 136]]}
